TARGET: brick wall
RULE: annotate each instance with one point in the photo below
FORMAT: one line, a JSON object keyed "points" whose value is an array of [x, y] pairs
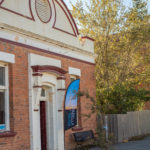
{"points": [[19, 103]]}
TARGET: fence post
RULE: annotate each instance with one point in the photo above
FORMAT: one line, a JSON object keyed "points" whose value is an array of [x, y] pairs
{"points": [[106, 126]]}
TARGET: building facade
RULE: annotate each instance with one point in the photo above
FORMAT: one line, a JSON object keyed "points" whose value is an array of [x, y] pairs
{"points": [[41, 52]]}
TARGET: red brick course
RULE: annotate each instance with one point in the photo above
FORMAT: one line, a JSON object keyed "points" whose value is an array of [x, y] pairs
{"points": [[19, 102]]}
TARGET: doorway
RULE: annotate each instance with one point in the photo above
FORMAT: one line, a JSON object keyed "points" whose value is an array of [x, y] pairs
{"points": [[43, 125], [47, 131], [46, 119]]}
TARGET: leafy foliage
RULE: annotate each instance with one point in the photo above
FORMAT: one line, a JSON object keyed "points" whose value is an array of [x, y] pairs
{"points": [[122, 49], [124, 98], [122, 56], [141, 7]]}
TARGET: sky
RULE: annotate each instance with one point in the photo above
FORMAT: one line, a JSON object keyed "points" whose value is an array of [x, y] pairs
{"points": [[127, 2]]}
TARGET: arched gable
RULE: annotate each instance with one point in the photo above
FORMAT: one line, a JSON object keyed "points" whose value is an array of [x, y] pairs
{"points": [[45, 20], [63, 19], [14, 6]]}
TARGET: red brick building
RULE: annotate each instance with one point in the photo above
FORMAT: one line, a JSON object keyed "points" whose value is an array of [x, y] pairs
{"points": [[40, 53]]}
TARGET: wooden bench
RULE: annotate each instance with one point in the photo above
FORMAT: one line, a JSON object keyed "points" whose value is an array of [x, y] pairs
{"points": [[81, 137]]}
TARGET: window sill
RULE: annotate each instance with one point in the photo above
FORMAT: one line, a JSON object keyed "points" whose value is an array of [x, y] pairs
{"points": [[7, 134], [77, 128]]}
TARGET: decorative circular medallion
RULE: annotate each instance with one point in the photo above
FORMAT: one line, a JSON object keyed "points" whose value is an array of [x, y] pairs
{"points": [[43, 10]]}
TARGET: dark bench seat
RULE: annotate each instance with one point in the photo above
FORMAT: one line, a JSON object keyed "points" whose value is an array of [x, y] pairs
{"points": [[81, 137]]}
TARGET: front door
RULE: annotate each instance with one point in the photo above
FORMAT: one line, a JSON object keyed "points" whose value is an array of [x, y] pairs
{"points": [[43, 125]]}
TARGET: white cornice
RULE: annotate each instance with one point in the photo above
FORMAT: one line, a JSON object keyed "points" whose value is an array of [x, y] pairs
{"points": [[42, 38], [34, 40]]}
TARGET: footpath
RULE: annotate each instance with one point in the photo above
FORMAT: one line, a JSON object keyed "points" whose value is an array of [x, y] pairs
{"points": [[133, 145]]}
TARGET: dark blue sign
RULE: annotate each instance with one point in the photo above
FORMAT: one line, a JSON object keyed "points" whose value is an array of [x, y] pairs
{"points": [[70, 118]]}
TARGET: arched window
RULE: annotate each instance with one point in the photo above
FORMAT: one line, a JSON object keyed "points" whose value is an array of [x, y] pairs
{"points": [[43, 94]]}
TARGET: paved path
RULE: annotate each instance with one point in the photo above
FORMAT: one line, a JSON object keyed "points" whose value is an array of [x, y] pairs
{"points": [[135, 145]]}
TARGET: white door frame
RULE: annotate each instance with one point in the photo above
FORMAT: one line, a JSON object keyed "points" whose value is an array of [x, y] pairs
{"points": [[50, 100], [54, 77], [58, 127]]}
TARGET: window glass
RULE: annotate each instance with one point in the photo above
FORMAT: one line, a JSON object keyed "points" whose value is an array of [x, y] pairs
{"points": [[2, 76], [2, 108], [43, 94]]}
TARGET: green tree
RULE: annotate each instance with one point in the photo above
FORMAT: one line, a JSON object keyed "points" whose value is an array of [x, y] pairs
{"points": [[120, 37], [122, 66], [141, 7]]}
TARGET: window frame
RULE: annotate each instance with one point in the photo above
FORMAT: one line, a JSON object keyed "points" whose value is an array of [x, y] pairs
{"points": [[5, 88]]}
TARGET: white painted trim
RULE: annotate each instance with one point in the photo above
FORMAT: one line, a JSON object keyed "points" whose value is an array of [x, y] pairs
{"points": [[6, 57], [30, 102], [7, 99], [74, 71], [48, 80], [51, 47], [42, 60], [3, 88]]}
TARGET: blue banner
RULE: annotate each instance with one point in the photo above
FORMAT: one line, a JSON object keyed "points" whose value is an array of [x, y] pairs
{"points": [[70, 114]]}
